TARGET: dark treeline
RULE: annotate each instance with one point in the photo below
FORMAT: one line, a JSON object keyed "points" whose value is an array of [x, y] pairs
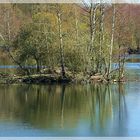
{"points": [[80, 38]]}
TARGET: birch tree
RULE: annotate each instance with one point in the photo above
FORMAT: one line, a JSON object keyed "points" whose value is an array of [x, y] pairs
{"points": [[61, 46], [112, 40], [91, 10], [101, 36]]}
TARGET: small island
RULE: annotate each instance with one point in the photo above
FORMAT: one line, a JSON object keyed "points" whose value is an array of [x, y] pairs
{"points": [[58, 43]]}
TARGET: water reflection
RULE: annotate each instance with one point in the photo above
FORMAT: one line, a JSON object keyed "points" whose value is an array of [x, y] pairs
{"points": [[66, 107]]}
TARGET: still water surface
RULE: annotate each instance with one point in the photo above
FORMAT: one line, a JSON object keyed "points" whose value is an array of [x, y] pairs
{"points": [[72, 110]]}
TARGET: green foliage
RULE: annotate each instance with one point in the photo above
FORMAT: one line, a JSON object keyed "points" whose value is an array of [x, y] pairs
{"points": [[37, 41], [31, 45]]}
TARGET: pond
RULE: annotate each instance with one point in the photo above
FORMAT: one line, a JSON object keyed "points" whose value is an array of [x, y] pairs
{"points": [[72, 110]]}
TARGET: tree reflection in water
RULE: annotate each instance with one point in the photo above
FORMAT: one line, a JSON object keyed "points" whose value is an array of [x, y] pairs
{"points": [[64, 106]]}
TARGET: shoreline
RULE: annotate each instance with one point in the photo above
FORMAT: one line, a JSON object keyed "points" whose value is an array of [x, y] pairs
{"points": [[56, 79], [133, 51]]}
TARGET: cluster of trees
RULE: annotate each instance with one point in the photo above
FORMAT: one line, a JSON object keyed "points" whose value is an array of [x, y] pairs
{"points": [[84, 37]]}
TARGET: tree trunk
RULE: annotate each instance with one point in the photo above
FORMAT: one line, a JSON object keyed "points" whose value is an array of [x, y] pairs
{"points": [[76, 25], [92, 52], [91, 26], [119, 64], [112, 40], [16, 62], [38, 66], [138, 45], [101, 37], [8, 26], [59, 14]]}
